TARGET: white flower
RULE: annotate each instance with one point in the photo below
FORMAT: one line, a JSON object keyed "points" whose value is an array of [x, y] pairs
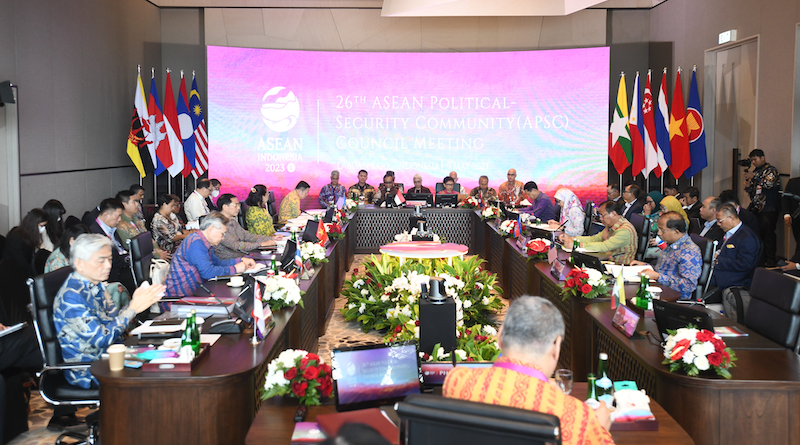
{"points": [[385, 297], [440, 354], [467, 304], [702, 349], [489, 330], [487, 300], [371, 299], [358, 284], [479, 284], [406, 311], [462, 354], [351, 305], [362, 308], [364, 292], [701, 362], [688, 357], [416, 331]]}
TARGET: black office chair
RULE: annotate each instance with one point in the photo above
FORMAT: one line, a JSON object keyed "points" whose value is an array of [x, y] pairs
{"points": [[432, 420], [40, 260], [53, 386], [271, 207], [242, 216], [141, 249], [587, 220], [707, 248], [642, 226], [774, 309], [440, 187], [695, 225]]}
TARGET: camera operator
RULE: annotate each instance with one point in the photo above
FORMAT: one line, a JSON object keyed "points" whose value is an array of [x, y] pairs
{"points": [[763, 185], [791, 217]]}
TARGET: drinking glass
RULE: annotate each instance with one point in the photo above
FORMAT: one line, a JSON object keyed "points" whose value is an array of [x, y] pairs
{"points": [[564, 380]]}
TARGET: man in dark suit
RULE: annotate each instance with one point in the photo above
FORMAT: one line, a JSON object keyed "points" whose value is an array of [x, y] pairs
{"points": [[215, 186], [747, 217], [632, 202], [108, 218], [791, 217], [737, 256], [691, 201], [708, 217]]}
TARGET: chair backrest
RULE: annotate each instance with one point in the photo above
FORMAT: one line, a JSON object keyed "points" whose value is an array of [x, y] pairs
{"points": [[242, 216], [39, 260], [587, 220], [43, 290], [695, 225], [141, 249], [707, 252], [271, 206], [642, 226], [774, 310], [440, 187], [428, 419]]}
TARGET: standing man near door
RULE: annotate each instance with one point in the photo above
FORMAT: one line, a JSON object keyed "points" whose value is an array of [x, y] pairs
{"points": [[763, 185]]}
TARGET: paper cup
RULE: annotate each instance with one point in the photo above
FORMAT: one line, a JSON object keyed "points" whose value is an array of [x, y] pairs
{"points": [[116, 357]]}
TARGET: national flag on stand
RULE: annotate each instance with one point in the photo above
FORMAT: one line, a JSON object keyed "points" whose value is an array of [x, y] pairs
{"points": [[696, 127], [619, 138], [552, 254], [199, 126], [159, 146], [662, 124], [140, 131], [298, 259], [678, 133], [399, 199], [654, 158], [258, 313], [186, 129], [322, 234], [618, 292], [636, 131], [173, 129], [518, 227]]}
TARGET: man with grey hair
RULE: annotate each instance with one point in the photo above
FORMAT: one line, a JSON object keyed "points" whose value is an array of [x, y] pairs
{"points": [[195, 261], [531, 338], [85, 316], [331, 193]]}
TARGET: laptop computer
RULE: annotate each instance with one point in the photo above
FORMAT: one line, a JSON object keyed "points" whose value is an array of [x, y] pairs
{"points": [[673, 316], [371, 376], [590, 261]]}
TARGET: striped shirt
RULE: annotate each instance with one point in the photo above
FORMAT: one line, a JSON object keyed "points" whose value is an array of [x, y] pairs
{"points": [[193, 262]]}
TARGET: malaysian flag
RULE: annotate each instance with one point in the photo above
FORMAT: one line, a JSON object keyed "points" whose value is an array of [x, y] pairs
{"points": [[200, 135]]}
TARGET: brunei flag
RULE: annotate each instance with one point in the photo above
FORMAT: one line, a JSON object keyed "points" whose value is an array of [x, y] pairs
{"points": [[140, 132], [619, 137]]}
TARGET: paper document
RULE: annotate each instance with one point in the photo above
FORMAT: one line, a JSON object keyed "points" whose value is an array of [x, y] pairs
{"points": [[629, 273]]}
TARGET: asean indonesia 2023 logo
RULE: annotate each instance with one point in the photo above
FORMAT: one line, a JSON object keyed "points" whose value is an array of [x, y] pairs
{"points": [[280, 109]]}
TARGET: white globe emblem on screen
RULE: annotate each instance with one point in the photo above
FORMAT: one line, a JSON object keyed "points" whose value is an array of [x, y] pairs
{"points": [[280, 111]]}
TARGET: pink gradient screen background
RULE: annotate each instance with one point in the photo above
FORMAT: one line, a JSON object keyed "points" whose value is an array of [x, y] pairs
{"points": [[543, 113]]}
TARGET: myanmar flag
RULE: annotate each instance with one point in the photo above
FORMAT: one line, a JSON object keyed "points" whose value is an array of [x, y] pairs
{"points": [[678, 132], [619, 138]]}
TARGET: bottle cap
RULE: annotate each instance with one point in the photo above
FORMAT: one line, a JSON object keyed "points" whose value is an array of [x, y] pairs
{"points": [[590, 376], [603, 356], [193, 311]]}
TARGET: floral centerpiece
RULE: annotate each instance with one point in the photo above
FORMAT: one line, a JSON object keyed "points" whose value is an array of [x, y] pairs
{"points": [[340, 216], [694, 350], [350, 206], [299, 374], [584, 283], [280, 292], [386, 297], [334, 230], [470, 202], [473, 344], [313, 252], [508, 227], [490, 212], [538, 248]]}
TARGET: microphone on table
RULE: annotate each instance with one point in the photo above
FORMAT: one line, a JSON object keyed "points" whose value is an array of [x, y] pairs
{"points": [[215, 297]]}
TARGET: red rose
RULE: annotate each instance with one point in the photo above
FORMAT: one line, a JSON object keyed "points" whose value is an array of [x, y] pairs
{"points": [[426, 356], [705, 335], [480, 338], [290, 373], [312, 356], [416, 322], [570, 282], [727, 359], [586, 288], [719, 345], [573, 272], [326, 369], [398, 328], [325, 386], [470, 359], [714, 359], [303, 363], [311, 372], [355, 271], [369, 280], [468, 332], [583, 276], [299, 388]]}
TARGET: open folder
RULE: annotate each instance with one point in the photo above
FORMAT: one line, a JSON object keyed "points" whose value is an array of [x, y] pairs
{"points": [[629, 273]]}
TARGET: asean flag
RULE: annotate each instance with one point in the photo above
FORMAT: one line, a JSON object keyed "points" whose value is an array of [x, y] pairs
{"points": [[678, 133], [696, 126]]}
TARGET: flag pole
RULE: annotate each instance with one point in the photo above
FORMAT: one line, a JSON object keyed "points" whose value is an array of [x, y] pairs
{"points": [[169, 177], [138, 76]]}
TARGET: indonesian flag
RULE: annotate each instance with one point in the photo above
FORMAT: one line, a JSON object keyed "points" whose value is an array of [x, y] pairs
{"points": [[637, 141], [653, 158], [173, 130], [258, 313], [322, 234], [619, 138], [399, 199], [678, 132]]}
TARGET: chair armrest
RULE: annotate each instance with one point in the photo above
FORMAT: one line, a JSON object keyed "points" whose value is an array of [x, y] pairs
{"points": [[67, 366], [708, 293]]}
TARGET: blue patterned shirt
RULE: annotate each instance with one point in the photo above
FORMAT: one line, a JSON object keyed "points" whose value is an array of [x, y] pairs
{"points": [[679, 266], [193, 262], [88, 322], [330, 193]]}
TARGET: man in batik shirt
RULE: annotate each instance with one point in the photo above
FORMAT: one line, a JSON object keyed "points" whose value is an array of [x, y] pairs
{"points": [[361, 188], [764, 185], [331, 193], [511, 190]]}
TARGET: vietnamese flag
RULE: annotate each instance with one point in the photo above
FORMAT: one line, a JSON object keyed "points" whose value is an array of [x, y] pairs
{"points": [[619, 138], [322, 234], [678, 132]]}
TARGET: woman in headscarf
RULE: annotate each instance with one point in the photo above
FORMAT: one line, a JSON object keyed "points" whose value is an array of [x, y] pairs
{"points": [[671, 204], [571, 212]]}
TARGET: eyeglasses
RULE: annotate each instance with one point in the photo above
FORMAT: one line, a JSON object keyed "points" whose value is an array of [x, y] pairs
{"points": [[719, 220]]}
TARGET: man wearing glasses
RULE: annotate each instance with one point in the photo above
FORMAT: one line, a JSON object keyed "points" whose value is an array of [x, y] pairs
{"points": [[195, 261], [331, 193], [386, 189], [618, 239], [679, 266], [738, 253]]}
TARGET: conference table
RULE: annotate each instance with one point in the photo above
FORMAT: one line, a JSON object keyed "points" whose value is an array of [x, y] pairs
{"points": [[217, 401]]}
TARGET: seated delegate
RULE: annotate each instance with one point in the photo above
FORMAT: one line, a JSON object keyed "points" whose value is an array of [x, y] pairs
{"points": [[259, 220], [540, 207], [195, 261], [531, 339], [85, 316], [418, 187], [737, 255], [361, 190], [680, 265], [483, 191], [237, 241], [290, 206], [572, 213], [449, 184], [387, 188], [167, 229], [618, 239], [330, 193]]}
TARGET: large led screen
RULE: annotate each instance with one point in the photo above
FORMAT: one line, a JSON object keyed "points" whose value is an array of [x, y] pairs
{"points": [[277, 117]]}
